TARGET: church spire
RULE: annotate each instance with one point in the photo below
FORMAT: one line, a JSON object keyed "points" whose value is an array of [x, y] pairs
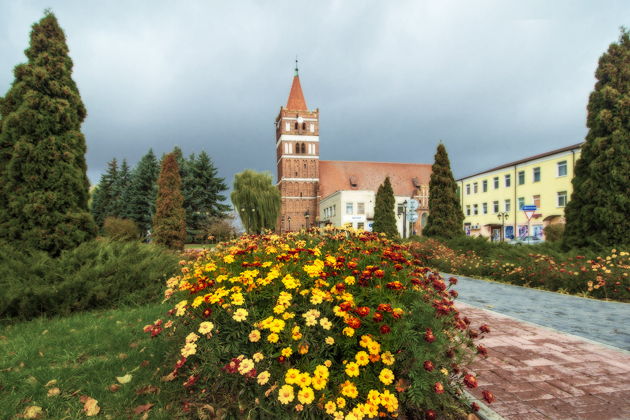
{"points": [[296, 100]]}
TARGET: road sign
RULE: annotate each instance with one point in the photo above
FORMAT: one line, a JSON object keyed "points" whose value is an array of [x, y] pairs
{"points": [[413, 204], [529, 208], [412, 217], [529, 214]]}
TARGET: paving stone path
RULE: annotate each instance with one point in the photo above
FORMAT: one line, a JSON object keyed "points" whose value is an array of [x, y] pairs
{"points": [[540, 373]]}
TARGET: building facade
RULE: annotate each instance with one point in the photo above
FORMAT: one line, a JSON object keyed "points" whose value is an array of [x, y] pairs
{"points": [[492, 200], [318, 193]]}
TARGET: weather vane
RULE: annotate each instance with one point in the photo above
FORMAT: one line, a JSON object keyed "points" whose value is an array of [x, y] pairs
{"points": [[296, 65]]}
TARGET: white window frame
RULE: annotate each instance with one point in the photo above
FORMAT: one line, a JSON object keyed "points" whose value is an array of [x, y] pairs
{"points": [[564, 195], [562, 164], [535, 171], [350, 206], [495, 182], [507, 205]]}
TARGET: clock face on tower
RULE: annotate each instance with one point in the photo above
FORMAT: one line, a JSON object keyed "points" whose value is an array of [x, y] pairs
{"points": [[300, 120]]}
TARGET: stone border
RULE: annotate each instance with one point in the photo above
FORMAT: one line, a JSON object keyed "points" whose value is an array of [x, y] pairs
{"points": [[485, 412]]}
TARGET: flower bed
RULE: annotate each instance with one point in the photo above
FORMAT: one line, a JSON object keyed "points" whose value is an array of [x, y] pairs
{"points": [[599, 277], [330, 323]]}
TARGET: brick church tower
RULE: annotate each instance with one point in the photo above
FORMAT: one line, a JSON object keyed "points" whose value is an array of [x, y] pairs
{"points": [[297, 154]]}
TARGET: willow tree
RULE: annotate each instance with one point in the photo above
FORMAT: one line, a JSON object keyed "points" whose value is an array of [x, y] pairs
{"points": [[256, 200], [43, 181]]}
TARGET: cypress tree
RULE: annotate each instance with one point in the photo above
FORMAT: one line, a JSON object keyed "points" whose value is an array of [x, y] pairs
{"points": [[202, 189], [104, 196], [169, 224], [140, 196], [445, 213], [43, 181], [257, 200], [598, 213], [384, 209]]}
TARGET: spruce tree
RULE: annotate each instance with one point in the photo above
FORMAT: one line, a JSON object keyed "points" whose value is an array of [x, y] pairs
{"points": [[43, 181], [119, 191], [598, 213], [445, 213], [104, 195], [141, 194], [202, 189], [169, 224], [384, 210]]}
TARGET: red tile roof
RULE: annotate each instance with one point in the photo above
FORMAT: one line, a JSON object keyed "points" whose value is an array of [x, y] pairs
{"points": [[296, 100], [337, 176]]}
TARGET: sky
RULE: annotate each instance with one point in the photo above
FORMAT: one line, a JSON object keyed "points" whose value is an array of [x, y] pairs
{"points": [[495, 81]]}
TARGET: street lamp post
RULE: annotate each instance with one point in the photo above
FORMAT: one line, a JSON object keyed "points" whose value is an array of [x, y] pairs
{"points": [[289, 219], [306, 216], [250, 218], [503, 215]]}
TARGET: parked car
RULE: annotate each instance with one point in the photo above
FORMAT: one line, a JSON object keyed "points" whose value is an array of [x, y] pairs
{"points": [[526, 240]]}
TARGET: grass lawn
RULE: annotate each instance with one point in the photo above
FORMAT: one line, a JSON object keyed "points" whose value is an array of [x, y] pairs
{"points": [[84, 354], [199, 246]]}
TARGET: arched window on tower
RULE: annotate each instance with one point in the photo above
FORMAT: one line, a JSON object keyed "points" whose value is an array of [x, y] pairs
{"points": [[303, 126], [296, 125], [297, 148], [303, 148]]}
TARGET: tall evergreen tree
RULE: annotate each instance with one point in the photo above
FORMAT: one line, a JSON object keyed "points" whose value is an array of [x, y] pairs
{"points": [[119, 191], [598, 212], [446, 217], [141, 194], [384, 210], [104, 195], [43, 180], [169, 225], [202, 189], [257, 200]]}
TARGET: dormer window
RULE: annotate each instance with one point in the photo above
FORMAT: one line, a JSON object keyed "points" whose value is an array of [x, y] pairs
{"points": [[416, 182], [353, 181]]}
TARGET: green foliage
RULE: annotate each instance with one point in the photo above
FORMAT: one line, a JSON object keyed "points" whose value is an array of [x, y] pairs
{"points": [[121, 229], [43, 181], [384, 217], [141, 193], [105, 194], [257, 200], [445, 213], [220, 229], [553, 233], [203, 192], [84, 353], [96, 274], [597, 214], [169, 222]]}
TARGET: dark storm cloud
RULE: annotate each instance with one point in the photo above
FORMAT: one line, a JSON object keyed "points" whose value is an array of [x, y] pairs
{"points": [[495, 81]]}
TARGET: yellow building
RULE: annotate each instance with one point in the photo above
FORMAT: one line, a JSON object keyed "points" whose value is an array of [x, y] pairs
{"points": [[543, 181]]}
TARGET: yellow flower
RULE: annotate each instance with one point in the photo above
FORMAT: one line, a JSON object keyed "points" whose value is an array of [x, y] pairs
{"points": [[328, 363], [387, 358], [192, 337], [291, 376], [238, 299], [263, 377], [290, 282], [278, 309], [330, 407], [228, 259], [288, 315], [206, 327], [374, 397], [258, 356], [198, 301], [352, 369], [273, 338], [349, 390], [341, 403], [287, 352], [189, 349], [444, 371], [348, 331], [303, 348], [240, 315], [349, 280], [370, 410], [245, 366], [365, 340], [181, 308], [254, 336], [330, 341], [318, 382], [386, 376], [306, 395], [389, 401], [374, 347], [322, 371], [339, 415], [304, 379], [362, 358], [325, 323], [285, 395]]}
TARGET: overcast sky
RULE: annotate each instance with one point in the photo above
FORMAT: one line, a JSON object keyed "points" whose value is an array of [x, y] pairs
{"points": [[496, 81]]}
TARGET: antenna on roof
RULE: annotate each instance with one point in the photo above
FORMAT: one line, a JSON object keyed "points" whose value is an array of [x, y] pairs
{"points": [[296, 65]]}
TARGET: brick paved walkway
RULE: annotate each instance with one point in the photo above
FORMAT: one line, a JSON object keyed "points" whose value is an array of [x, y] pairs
{"points": [[539, 373]]}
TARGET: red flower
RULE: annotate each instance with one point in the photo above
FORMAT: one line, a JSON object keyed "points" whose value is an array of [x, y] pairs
{"points": [[190, 381], [428, 365], [378, 317], [394, 285], [385, 307], [281, 359], [430, 415], [385, 329], [488, 396], [470, 381], [428, 336], [452, 280], [180, 363], [362, 311], [439, 388], [453, 293], [345, 306], [482, 350], [474, 406], [353, 322], [207, 312], [379, 273], [484, 328]]}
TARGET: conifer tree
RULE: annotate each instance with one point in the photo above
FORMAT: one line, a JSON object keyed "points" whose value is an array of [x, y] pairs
{"points": [[141, 194], [202, 189], [43, 181], [104, 195], [445, 213], [598, 213], [257, 200], [384, 210], [169, 225], [119, 191]]}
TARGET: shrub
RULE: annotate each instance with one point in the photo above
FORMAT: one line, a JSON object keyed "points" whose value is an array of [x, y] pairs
{"points": [[336, 322], [97, 274], [553, 233], [121, 229]]}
